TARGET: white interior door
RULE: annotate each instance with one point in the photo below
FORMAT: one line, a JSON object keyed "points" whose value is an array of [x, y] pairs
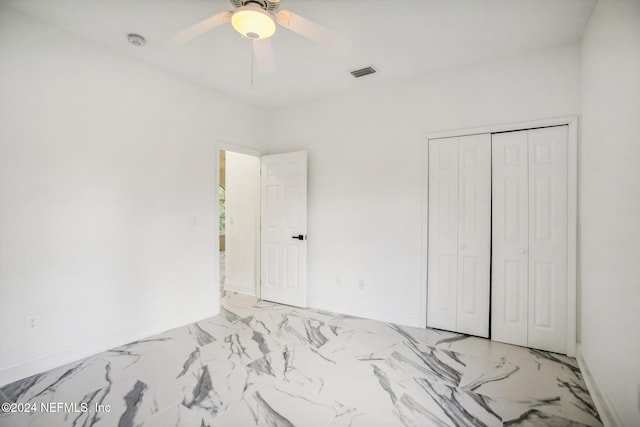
{"points": [[548, 244], [510, 219], [530, 238], [442, 272], [284, 228], [459, 245], [474, 234]]}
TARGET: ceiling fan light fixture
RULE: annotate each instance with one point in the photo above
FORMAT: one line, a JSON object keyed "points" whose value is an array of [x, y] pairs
{"points": [[253, 22]]}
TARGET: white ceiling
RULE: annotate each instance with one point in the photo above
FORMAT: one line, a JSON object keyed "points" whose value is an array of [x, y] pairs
{"points": [[402, 38]]}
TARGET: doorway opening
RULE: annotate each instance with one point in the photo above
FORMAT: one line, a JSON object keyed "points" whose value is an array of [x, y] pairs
{"points": [[239, 220]]}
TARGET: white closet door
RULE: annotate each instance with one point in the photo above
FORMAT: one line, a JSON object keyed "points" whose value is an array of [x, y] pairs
{"points": [[459, 234], [474, 234], [548, 238], [510, 228], [529, 266], [442, 274]]}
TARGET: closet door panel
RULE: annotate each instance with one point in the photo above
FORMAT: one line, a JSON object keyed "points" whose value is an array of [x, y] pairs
{"points": [[442, 276], [548, 238], [474, 235], [509, 266]]}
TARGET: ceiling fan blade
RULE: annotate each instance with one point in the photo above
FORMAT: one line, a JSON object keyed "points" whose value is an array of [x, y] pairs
{"points": [[314, 32], [263, 53], [201, 27]]}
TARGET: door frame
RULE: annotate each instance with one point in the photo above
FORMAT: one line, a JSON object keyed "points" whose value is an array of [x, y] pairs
{"points": [[221, 145], [572, 180]]}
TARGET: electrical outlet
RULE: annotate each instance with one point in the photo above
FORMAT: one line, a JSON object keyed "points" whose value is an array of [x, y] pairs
{"points": [[361, 284], [193, 222], [33, 322], [338, 281]]}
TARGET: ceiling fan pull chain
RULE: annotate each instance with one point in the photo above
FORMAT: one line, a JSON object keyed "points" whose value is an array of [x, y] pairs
{"points": [[253, 55]]}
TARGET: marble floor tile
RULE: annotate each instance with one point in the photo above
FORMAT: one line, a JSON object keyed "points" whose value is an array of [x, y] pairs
{"points": [[282, 405], [265, 364]]}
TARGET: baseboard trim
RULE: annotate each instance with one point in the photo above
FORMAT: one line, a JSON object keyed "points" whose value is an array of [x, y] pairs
{"points": [[240, 290], [369, 312], [80, 351], [606, 410]]}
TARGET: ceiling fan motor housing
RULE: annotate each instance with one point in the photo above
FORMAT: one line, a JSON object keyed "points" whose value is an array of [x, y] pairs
{"points": [[269, 5]]}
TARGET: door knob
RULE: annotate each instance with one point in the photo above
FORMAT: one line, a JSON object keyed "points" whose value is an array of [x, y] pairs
{"points": [[462, 246], [523, 251], [299, 237]]}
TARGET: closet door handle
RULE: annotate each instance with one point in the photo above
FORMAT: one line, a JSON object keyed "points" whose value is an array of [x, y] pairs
{"points": [[299, 237]]}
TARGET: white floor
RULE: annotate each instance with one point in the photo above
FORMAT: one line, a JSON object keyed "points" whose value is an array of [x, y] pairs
{"points": [[259, 363]]}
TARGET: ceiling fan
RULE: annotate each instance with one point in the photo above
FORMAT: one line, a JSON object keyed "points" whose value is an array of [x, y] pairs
{"points": [[256, 20]]}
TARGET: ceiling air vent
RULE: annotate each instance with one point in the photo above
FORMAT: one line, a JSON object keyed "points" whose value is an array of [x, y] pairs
{"points": [[361, 72]]}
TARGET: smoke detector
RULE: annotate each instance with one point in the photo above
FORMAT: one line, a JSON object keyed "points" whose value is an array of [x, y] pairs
{"points": [[136, 40]]}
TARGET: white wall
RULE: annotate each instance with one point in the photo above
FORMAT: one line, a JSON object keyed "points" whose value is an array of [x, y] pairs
{"points": [[365, 169], [243, 216], [610, 204], [108, 226]]}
